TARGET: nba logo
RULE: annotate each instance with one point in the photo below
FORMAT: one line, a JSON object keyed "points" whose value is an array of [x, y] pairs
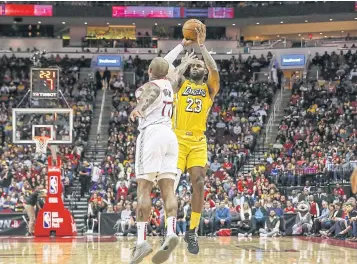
{"points": [[53, 185], [47, 220]]}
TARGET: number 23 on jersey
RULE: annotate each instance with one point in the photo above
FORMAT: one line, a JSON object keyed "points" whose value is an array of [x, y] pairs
{"points": [[194, 105]]}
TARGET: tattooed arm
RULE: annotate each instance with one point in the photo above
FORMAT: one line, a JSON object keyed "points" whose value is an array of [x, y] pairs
{"points": [[176, 77], [148, 93], [213, 81]]}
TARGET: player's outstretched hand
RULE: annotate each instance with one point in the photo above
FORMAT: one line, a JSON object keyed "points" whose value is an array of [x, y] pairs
{"points": [[201, 34], [134, 114], [189, 57], [187, 42]]}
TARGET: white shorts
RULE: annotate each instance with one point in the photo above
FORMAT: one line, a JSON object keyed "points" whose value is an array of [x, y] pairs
{"points": [[156, 153]]}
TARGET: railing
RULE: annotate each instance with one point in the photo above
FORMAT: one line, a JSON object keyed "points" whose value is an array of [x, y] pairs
{"points": [[307, 65], [276, 106], [95, 151], [317, 177], [271, 120]]}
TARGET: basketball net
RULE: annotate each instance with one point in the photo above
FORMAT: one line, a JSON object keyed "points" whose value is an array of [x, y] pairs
{"points": [[42, 144]]}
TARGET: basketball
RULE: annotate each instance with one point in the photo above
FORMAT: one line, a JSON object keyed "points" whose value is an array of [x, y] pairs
{"points": [[189, 29]]}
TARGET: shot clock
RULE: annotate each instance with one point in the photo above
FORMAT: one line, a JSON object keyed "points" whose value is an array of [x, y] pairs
{"points": [[44, 83]]}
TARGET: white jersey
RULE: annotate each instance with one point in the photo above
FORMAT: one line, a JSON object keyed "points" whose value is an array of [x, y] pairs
{"points": [[160, 112]]}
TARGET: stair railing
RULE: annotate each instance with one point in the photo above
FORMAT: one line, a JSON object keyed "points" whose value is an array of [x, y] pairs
{"points": [[272, 116], [99, 126]]}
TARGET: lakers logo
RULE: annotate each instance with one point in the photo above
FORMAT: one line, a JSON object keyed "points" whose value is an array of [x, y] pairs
{"points": [[194, 92]]}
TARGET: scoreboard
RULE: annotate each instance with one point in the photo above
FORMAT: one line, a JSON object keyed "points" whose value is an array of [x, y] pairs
{"points": [[44, 83]]}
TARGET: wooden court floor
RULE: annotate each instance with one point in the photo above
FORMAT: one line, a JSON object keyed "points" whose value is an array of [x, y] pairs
{"points": [[220, 250]]}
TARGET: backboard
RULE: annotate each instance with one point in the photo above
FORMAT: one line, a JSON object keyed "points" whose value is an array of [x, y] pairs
{"points": [[55, 123]]}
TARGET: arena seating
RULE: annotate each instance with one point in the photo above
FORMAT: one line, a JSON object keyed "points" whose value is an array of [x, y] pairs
{"points": [[18, 163], [233, 124], [233, 127], [317, 134]]}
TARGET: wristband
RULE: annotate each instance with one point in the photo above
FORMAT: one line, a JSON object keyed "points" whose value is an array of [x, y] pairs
{"points": [[201, 45]]}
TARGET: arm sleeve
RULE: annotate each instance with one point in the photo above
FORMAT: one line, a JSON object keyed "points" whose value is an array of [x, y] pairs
{"points": [[172, 55]]}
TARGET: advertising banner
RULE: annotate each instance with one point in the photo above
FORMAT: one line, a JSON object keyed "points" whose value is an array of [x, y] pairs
{"points": [[194, 12], [108, 61], [25, 10], [109, 223], [220, 12], [293, 60], [171, 12], [12, 224], [145, 12]]}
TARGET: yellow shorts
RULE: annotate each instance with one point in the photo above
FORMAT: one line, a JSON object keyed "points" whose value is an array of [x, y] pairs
{"points": [[192, 149]]}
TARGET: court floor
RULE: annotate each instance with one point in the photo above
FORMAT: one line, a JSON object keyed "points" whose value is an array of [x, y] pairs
{"points": [[220, 250]]}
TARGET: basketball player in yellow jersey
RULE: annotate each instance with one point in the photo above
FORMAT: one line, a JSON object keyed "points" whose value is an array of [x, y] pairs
{"points": [[193, 101]]}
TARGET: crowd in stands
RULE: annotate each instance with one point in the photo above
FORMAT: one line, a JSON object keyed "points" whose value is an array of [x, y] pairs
{"points": [[233, 126], [315, 146], [321, 111], [21, 169], [317, 135]]}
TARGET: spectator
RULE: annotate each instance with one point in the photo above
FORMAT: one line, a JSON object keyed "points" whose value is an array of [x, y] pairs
{"points": [[277, 209], [245, 226], [289, 208], [245, 210], [106, 77], [91, 218], [324, 217], [125, 217], [215, 165], [272, 224], [258, 214], [207, 220], [223, 217], [84, 177], [181, 219]]}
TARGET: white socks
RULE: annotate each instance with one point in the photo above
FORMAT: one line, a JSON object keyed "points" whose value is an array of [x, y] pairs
{"points": [[171, 225], [142, 227]]}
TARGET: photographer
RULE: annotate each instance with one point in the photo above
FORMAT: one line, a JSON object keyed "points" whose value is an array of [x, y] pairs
{"points": [[33, 201], [245, 227]]}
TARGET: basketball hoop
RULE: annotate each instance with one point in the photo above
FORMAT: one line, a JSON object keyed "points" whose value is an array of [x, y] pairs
{"points": [[42, 144]]}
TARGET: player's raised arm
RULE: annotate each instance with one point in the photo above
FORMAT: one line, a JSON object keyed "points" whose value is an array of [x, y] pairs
{"points": [[173, 54], [213, 74], [147, 95], [176, 77]]}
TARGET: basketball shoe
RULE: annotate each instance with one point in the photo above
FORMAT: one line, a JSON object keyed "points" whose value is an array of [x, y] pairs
{"points": [[163, 254], [140, 252], [191, 238]]}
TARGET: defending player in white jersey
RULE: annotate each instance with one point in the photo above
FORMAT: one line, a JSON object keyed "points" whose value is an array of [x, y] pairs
{"points": [[156, 153]]}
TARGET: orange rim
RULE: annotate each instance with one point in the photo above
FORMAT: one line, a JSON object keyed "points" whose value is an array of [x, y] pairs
{"points": [[41, 138]]}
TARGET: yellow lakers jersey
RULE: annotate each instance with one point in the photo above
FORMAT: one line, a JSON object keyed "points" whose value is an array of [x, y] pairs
{"points": [[192, 106]]}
